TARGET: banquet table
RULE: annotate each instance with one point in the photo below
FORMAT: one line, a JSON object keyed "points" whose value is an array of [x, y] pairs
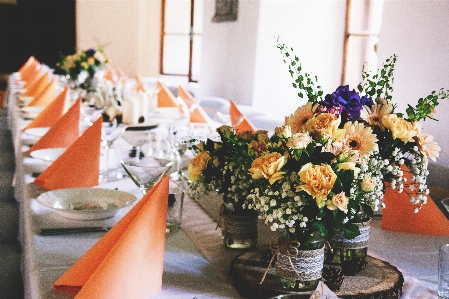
{"points": [[196, 263]]}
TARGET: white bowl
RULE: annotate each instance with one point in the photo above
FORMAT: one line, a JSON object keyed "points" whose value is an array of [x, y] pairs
{"points": [[48, 154], [37, 132], [86, 203]]}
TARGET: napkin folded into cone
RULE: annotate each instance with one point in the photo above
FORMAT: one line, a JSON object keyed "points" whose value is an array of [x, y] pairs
{"points": [[141, 86], [238, 120], [109, 76], [29, 83], [64, 132], [30, 61], [38, 86], [47, 95], [127, 262], [186, 96], [198, 115], [30, 71], [165, 97], [79, 165], [398, 214], [53, 112]]}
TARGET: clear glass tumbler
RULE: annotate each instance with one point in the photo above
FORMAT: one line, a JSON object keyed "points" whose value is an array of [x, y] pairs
{"points": [[443, 272]]}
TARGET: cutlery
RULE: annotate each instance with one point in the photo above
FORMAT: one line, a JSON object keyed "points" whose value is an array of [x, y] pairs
{"points": [[72, 230]]}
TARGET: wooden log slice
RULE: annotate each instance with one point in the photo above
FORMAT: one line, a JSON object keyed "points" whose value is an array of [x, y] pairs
{"points": [[377, 281]]}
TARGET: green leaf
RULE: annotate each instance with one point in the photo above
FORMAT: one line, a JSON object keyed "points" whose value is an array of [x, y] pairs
{"points": [[350, 231]]}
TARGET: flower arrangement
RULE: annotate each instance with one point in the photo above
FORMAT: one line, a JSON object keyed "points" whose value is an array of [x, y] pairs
{"points": [[89, 61], [222, 165], [333, 157]]}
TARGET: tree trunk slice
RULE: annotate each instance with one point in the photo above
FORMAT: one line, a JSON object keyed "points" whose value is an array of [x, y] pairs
{"points": [[378, 280]]}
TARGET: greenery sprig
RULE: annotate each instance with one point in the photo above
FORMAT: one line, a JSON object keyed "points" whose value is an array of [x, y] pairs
{"points": [[426, 106], [305, 82]]}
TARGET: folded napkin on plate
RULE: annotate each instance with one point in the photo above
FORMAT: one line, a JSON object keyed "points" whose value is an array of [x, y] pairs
{"points": [[64, 132], [79, 165], [54, 111], [47, 95], [198, 115], [109, 76], [30, 61], [30, 71], [398, 214], [185, 95], [238, 120], [141, 86], [40, 73], [127, 262], [38, 86], [165, 97]]}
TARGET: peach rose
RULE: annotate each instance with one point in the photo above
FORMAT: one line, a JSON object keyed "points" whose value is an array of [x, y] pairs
{"points": [[326, 124], [368, 184], [198, 164], [339, 201], [399, 127], [318, 181], [268, 166]]}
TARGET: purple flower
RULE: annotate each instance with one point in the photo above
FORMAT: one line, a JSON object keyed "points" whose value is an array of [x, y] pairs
{"points": [[90, 52], [348, 101]]}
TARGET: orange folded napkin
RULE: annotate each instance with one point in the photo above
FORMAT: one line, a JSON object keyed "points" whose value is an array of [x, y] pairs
{"points": [[398, 214], [239, 120], [121, 74], [28, 84], [186, 96], [79, 165], [127, 262], [47, 95], [64, 132], [31, 71], [198, 115], [50, 115], [38, 86], [165, 97], [109, 75], [27, 64], [141, 86]]}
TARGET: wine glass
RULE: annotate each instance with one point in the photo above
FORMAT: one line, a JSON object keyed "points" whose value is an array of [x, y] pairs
{"points": [[146, 171], [179, 137], [110, 132]]}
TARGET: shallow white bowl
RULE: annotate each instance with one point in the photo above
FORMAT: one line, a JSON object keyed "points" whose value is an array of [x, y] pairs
{"points": [[38, 132], [86, 203], [48, 154]]}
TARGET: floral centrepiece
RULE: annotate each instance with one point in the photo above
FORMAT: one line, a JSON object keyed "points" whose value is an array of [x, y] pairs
{"points": [[85, 61]]}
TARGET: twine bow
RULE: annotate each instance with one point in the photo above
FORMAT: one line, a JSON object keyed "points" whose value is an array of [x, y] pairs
{"points": [[285, 246]]}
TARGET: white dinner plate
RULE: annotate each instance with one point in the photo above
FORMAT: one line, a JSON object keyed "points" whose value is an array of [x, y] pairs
{"points": [[31, 111], [86, 203], [38, 132], [48, 154]]}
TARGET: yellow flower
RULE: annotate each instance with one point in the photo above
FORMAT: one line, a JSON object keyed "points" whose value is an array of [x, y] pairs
{"points": [[339, 201], [298, 120], [346, 166], [325, 125], [360, 138], [299, 141], [91, 60], [99, 56], [399, 127], [368, 184], [426, 145], [268, 166], [318, 180], [285, 131], [198, 164], [375, 114], [262, 136]]}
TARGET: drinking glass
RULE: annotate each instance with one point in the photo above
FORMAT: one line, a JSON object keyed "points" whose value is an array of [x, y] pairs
{"points": [[110, 132], [146, 171], [175, 206], [443, 272], [179, 136]]}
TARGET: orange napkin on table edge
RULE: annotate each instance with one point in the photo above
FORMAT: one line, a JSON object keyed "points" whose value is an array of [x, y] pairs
{"points": [[198, 115], [30, 70], [38, 86], [79, 165], [29, 83], [27, 64], [127, 262], [109, 75], [64, 132], [239, 120], [47, 95], [398, 214], [53, 112], [165, 97], [186, 96]]}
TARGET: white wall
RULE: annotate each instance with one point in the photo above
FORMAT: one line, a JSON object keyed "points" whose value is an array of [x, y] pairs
{"points": [[129, 30], [418, 31], [228, 53]]}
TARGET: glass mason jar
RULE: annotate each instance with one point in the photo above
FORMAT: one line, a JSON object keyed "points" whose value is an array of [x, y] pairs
{"points": [[240, 228], [300, 259], [346, 249]]}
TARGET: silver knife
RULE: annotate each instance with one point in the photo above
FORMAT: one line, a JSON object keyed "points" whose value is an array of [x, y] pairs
{"points": [[72, 230]]}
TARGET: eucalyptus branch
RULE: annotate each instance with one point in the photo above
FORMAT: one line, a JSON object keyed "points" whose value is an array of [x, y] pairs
{"points": [[305, 82], [426, 106], [380, 84]]}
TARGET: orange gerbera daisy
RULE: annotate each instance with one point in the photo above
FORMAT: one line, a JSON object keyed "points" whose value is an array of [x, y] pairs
{"points": [[298, 120]]}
